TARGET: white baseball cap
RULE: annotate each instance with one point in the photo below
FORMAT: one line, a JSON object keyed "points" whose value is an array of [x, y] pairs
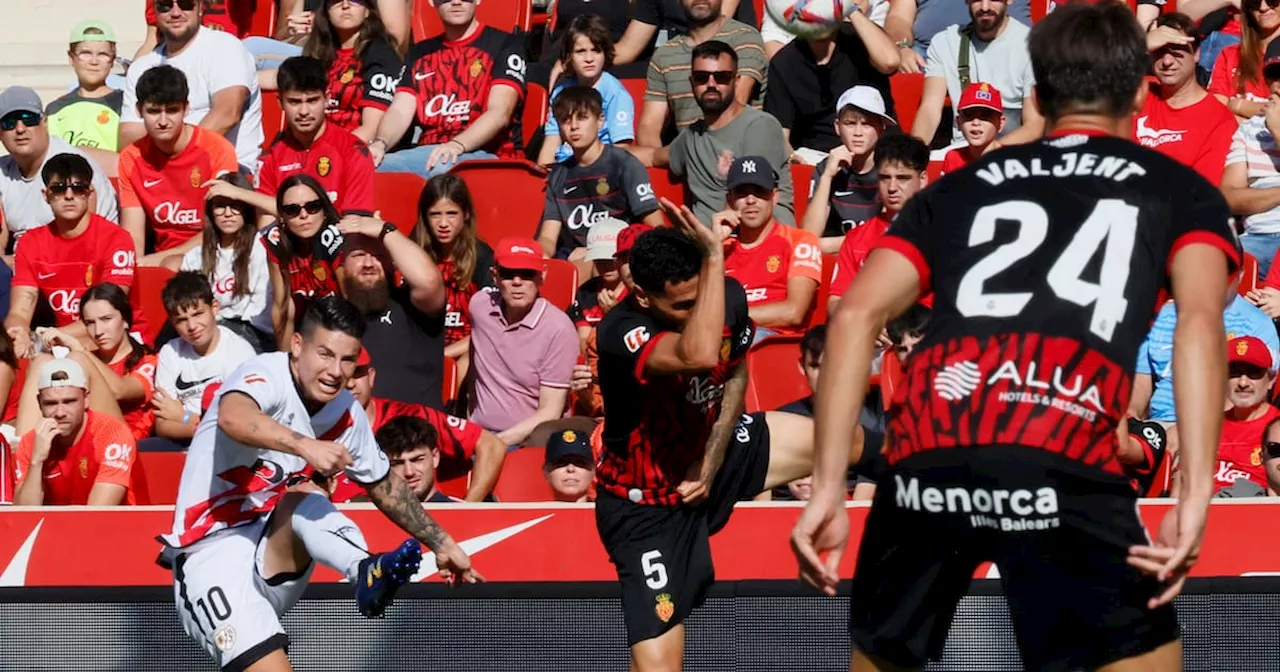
{"points": [[602, 240], [62, 373], [867, 99]]}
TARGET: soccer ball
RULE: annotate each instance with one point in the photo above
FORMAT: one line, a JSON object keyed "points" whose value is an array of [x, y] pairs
{"points": [[810, 18]]}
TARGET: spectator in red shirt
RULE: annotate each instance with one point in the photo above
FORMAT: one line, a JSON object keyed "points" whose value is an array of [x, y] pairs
{"points": [[901, 162], [980, 116], [165, 176], [118, 364], [363, 67], [73, 455], [1249, 381], [1179, 118], [462, 447], [779, 266], [463, 88], [446, 229], [56, 263], [311, 145], [306, 244], [1237, 75]]}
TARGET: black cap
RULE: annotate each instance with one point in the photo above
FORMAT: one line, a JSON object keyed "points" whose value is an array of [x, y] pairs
{"points": [[566, 444], [1270, 58], [758, 171]]}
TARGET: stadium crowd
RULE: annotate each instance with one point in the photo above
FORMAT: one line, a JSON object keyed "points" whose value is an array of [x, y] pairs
{"points": [[166, 223]]}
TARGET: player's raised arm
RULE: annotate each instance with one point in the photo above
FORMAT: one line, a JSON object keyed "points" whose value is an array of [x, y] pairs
{"points": [[393, 496], [240, 418]]}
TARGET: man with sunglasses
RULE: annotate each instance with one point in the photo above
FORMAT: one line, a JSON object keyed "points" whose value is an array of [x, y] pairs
{"points": [[522, 348], [25, 135], [1250, 376], [165, 176], [1179, 118], [462, 89], [57, 263], [221, 75]]}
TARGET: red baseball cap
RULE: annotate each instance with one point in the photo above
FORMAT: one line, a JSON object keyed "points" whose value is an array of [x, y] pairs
{"points": [[1249, 350], [519, 253], [365, 359], [627, 237], [981, 94]]}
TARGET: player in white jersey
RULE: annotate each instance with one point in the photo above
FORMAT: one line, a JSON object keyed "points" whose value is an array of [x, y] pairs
{"points": [[249, 521]]}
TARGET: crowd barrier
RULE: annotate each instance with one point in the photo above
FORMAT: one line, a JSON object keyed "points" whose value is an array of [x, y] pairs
{"points": [[82, 592]]}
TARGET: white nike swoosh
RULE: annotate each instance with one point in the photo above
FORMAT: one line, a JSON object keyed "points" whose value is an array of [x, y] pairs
{"points": [[423, 75], [570, 190], [843, 193], [151, 183], [474, 545], [45, 276], [16, 573]]}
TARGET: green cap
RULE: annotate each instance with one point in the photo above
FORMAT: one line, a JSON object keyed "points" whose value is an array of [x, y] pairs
{"points": [[92, 30]]}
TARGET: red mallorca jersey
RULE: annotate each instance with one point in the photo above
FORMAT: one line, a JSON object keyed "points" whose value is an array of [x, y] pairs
{"points": [[855, 247], [1225, 80], [312, 271], [764, 269], [1198, 135], [105, 453], [356, 82], [452, 81], [338, 159], [170, 188], [955, 159], [1240, 451], [138, 414], [61, 269]]}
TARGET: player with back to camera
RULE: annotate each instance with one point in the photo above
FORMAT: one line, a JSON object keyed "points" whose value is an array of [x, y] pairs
{"points": [[249, 525], [1049, 258]]}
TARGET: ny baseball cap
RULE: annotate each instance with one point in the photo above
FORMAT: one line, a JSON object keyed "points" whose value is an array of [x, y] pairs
{"points": [[981, 94], [19, 99], [627, 238], [61, 373], [1249, 350], [564, 445], [519, 253], [602, 240], [92, 30], [755, 170], [867, 99]]}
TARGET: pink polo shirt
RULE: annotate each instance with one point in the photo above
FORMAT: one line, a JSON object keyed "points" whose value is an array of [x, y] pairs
{"points": [[513, 361]]}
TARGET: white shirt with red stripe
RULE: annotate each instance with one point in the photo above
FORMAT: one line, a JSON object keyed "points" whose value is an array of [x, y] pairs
{"points": [[227, 484]]}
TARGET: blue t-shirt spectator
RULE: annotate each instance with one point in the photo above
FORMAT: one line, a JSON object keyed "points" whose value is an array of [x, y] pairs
{"points": [[1155, 357], [619, 114]]}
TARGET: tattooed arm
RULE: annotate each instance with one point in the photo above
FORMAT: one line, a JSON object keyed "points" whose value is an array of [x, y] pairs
{"points": [[703, 472], [394, 498]]}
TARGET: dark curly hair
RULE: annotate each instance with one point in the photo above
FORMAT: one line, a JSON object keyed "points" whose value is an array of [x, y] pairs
{"points": [[663, 255], [404, 433]]}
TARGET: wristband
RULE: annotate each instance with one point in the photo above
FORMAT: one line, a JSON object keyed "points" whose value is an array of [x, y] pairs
{"points": [[459, 144], [186, 417], [387, 227]]}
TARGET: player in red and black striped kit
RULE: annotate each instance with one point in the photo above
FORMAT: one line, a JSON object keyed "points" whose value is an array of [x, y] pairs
{"points": [[1048, 261], [678, 451]]}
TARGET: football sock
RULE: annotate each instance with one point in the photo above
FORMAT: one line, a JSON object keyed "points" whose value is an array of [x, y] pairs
{"points": [[331, 537]]}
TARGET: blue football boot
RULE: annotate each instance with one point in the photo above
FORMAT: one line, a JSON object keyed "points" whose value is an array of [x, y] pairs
{"points": [[381, 575]]}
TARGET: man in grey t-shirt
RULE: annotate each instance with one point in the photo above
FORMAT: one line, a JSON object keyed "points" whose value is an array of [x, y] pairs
{"points": [[703, 152], [24, 132]]}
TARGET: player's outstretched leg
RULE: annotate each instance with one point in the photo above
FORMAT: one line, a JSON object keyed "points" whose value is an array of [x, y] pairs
{"points": [[791, 448], [306, 526]]}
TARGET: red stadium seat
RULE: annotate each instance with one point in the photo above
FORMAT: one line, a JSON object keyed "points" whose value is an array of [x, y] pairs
{"points": [[666, 185], [507, 15], [759, 13], [775, 376], [934, 171], [263, 23], [508, 195], [801, 175], [450, 380], [522, 479], [535, 112], [890, 377], [907, 90], [560, 284], [272, 117], [455, 487], [164, 471], [1248, 274], [635, 87], [145, 298], [819, 314], [395, 195]]}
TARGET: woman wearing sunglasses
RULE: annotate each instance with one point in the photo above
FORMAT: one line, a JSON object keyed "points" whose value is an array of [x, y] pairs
{"points": [[446, 229], [249, 287], [305, 244], [120, 364], [362, 62], [1237, 74]]}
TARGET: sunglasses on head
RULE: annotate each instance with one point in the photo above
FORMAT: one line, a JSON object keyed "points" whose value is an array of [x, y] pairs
{"points": [[60, 188], [294, 209], [722, 77], [27, 118], [513, 273], [165, 6]]}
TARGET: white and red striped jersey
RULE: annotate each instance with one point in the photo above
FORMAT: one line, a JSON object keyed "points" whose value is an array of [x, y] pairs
{"points": [[227, 484]]}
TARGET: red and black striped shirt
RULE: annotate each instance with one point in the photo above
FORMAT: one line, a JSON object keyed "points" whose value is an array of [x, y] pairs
{"points": [[655, 427]]}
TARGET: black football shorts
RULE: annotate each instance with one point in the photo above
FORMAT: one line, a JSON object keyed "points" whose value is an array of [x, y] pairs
{"points": [[663, 554], [1059, 533]]}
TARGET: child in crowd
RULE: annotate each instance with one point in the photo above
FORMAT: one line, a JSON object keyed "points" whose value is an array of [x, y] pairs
{"points": [[980, 116], [586, 53]]}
